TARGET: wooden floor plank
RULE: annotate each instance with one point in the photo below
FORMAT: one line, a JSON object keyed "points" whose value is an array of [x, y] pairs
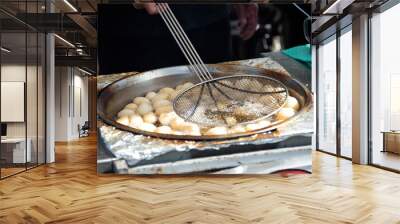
{"points": [[70, 191]]}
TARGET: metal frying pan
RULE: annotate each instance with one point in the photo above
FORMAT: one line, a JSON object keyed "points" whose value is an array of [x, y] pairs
{"points": [[118, 94]]}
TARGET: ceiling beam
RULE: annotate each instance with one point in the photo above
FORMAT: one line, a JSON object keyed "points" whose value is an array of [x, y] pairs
{"points": [[78, 61], [80, 20]]}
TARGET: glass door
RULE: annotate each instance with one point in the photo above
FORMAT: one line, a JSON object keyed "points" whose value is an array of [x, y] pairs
{"points": [[22, 77], [346, 75], [385, 89], [14, 153], [326, 96]]}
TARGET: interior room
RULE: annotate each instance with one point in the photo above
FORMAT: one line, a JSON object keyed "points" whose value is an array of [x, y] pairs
{"points": [[61, 160], [385, 107], [22, 102]]}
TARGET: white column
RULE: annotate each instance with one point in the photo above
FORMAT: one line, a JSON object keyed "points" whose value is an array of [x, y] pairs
{"points": [[360, 90], [50, 92]]}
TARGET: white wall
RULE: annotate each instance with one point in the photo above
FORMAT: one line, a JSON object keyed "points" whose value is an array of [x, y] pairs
{"points": [[71, 94], [61, 103], [16, 72], [33, 126]]}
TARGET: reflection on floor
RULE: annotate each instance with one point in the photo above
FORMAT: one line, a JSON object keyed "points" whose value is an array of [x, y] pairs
{"points": [[387, 159], [70, 191], [10, 169]]}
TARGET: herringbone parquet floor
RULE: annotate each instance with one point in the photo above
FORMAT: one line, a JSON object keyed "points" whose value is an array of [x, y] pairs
{"points": [[70, 191]]}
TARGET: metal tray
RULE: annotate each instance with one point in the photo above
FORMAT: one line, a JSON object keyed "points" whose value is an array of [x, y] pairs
{"points": [[115, 96]]}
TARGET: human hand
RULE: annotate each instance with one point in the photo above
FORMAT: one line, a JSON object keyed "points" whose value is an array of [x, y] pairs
{"points": [[149, 7], [248, 19]]}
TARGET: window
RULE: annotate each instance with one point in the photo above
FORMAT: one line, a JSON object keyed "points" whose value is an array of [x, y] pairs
{"points": [[326, 96], [346, 94], [22, 77], [385, 89]]}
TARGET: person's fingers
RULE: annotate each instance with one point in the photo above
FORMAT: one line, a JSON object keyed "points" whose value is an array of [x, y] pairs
{"points": [[150, 8]]}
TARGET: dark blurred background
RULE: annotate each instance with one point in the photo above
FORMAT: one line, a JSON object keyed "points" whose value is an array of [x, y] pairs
{"points": [[130, 39]]}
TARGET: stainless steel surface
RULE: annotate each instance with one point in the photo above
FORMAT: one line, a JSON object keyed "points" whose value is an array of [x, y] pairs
{"points": [[115, 96], [267, 161], [138, 150]]}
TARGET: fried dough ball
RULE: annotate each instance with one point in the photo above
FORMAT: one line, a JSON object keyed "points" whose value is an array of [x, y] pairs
{"points": [[135, 121], [285, 113], [123, 120], [150, 118], [132, 106], [217, 131], [173, 95], [161, 103], [179, 88], [164, 130], [259, 125], [190, 129], [187, 85], [292, 102], [147, 127], [150, 95], [144, 108], [177, 123], [125, 112], [139, 100], [167, 90], [160, 96], [164, 109], [167, 118]]}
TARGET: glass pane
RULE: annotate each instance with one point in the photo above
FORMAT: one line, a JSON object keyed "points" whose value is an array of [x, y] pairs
{"points": [[32, 84], [385, 86], [327, 97], [41, 99], [31, 100], [13, 86], [346, 94]]}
